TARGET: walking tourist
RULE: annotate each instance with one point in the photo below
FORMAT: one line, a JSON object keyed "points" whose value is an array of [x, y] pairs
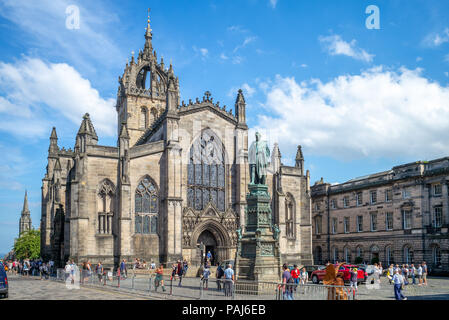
{"points": [[99, 271], [353, 279], [206, 274], [295, 273], [424, 273], [398, 283], [219, 274], [123, 271], [304, 275], [420, 271], [413, 273], [229, 281], [180, 272], [185, 266], [287, 282], [158, 280]]}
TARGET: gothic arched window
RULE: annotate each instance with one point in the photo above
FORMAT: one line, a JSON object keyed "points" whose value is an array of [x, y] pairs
{"points": [[143, 118], [290, 216], [408, 254], [206, 172], [146, 207], [105, 205]]}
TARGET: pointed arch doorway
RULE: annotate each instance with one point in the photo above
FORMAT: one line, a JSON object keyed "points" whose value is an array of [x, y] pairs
{"points": [[214, 238], [209, 242]]}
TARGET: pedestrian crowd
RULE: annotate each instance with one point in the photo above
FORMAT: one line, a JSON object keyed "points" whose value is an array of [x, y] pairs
{"points": [[30, 267]]}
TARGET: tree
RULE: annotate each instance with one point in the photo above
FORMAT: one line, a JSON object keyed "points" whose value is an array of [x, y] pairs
{"points": [[28, 245], [358, 260]]}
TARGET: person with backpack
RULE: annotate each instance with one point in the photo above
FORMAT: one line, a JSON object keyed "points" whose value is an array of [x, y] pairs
{"points": [[287, 283], [229, 281], [219, 274]]}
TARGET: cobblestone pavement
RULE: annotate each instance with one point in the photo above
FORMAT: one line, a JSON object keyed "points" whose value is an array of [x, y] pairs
{"points": [[21, 288], [32, 288]]}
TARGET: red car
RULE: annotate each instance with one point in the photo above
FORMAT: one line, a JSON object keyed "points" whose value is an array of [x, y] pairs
{"points": [[318, 275]]}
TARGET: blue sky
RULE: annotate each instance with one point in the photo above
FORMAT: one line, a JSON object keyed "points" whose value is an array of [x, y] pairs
{"points": [[358, 100]]}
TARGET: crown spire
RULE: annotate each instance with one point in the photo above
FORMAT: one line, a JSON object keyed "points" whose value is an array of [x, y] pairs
{"points": [[148, 35]]}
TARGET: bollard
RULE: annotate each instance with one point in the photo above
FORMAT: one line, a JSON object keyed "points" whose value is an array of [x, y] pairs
{"points": [[133, 281], [171, 285]]}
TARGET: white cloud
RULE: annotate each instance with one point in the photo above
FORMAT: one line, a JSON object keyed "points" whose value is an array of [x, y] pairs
{"points": [[378, 113], [418, 59], [203, 52], [247, 41], [446, 58], [446, 74], [237, 60], [335, 45], [273, 3], [32, 91], [223, 56], [43, 26], [437, 39], [248, 91]]}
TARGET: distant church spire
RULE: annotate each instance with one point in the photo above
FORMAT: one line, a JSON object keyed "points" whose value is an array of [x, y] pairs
{"points": [[25, 217]]}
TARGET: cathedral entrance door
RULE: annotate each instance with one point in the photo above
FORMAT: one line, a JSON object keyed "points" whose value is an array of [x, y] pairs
{"points": [[210, 245]]}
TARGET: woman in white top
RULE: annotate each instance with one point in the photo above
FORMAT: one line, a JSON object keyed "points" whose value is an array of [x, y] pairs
{"points": [[304, 276], [420, 275]]}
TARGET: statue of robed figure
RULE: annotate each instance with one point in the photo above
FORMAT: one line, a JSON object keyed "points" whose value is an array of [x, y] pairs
{"points": [[258, 157]]}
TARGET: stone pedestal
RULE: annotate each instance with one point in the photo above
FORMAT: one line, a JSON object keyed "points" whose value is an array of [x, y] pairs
{"points": [[258, 254]]}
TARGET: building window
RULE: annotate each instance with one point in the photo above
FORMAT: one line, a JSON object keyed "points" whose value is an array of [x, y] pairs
{"points": [[389, 220], [406, 219], [290, 216], [317, 207], [406, 193], [373, 217], [333, 206], [146, 207], [438, 216], [318, 222], [436, 255], [388, 256], [347, 255], [345, 202], [318, 255], [437, 190], [359, 252], [373, 196], [143, 118], [335, 254], [359, 198], [105, 207], [388, 195], [359, 223], [346, 224], [206, 172], [408, 255], [334, 225]]}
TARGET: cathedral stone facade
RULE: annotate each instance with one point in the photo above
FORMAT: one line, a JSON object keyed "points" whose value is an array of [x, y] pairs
{"points": [[175, 183]]}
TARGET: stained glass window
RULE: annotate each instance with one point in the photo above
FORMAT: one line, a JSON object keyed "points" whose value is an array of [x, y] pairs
{"points": [[206, 172], [146, 207], [105, 207]]}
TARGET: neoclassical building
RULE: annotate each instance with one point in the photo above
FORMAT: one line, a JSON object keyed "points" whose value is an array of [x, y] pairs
{"points": [[176, 179], [396, 216]]}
